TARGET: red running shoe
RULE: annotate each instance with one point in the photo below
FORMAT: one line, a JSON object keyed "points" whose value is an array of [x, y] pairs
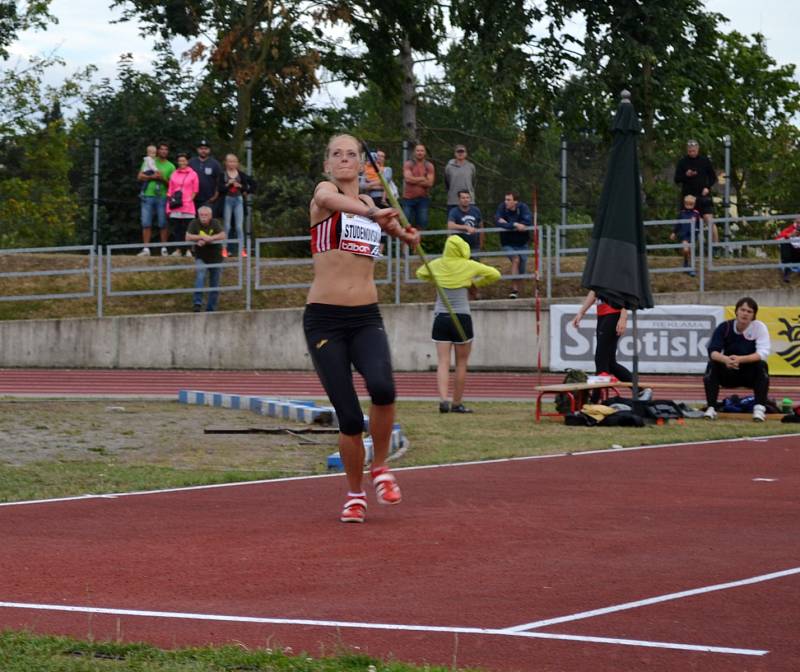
{"points": [[386, 489], [355, 509]]}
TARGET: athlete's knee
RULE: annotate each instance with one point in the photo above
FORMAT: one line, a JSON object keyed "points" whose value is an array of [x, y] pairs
{"points": [[351, 420], [382, 392]]}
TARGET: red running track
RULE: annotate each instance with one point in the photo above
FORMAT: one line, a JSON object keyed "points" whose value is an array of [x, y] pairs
{"points": [[480, 385], [470, 569]]}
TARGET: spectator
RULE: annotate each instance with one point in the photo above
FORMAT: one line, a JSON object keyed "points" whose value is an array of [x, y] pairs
{"points": [[459, 175], [790, 250], [208, 172], [737, 354], [455, 273], [515, 217], [696, 176], [372, 185], [180, 200], [154, 198], [689, 217], [418, 178], [233, 186], [466, 221], [206, 233], [149, 167]]}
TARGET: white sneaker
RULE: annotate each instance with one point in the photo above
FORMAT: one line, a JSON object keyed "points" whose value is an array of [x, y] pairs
{"points": [[176, 253], [710, 414], [164, 252], [759, 413], [144, 253], [189, 253]]}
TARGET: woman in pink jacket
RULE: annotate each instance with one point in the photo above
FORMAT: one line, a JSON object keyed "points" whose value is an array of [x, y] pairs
{"points": [[183, 187]]}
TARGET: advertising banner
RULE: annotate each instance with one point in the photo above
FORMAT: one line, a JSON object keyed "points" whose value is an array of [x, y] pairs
{"points": [[672, 339], [783, 323]]}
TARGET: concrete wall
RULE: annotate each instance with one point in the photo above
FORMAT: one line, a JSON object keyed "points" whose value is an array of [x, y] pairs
{"points": [[505, 337]]}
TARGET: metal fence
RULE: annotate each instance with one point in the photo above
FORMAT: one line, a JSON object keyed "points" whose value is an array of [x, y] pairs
{"points": [[103, 276]]}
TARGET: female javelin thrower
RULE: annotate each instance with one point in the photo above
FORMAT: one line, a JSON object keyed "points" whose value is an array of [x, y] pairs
{"points": [[342, 323]]}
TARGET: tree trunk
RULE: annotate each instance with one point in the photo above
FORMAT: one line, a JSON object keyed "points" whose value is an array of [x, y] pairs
{"points": [[409, 93]]}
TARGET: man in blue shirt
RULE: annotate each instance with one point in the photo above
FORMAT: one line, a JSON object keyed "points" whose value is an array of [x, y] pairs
{"points": [[466, 221], [515, 217]]}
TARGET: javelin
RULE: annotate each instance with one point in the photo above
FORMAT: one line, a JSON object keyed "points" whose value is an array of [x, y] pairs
{"points": [[418, 249]]}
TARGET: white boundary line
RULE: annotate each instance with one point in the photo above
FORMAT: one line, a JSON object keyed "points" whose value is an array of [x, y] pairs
{"points": [[653, 600], [602, 451], [382, 626]]}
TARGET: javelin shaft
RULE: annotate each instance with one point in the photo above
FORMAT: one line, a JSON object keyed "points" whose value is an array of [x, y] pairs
{"points": [[418, 249]]}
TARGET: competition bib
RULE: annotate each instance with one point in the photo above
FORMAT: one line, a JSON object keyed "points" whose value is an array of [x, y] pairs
{"points": [[360, 235]]}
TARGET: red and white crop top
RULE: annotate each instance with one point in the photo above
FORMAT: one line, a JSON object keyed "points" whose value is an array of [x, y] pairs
{"points": [[347, 232]]}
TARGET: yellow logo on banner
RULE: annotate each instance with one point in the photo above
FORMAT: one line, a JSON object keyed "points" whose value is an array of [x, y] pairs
{"points": [[783, 323]]}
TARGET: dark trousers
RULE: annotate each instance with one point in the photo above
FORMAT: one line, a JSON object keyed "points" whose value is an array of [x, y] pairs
{"points": [[605, 354], [754, 376], [790, 254]]}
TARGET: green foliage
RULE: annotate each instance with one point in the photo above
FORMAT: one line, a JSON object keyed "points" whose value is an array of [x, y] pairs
{"points": [[16, 17], [37, 208]]}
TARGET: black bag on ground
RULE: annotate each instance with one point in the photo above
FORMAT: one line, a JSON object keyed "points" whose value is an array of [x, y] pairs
{"points": [[622, 419], [573, 376]]}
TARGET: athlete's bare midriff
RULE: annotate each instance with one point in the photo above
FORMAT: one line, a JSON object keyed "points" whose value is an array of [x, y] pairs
{"points": [[343, 279]]}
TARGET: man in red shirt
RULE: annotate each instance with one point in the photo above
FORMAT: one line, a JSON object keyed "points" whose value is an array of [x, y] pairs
{"points": [[418, 178]]}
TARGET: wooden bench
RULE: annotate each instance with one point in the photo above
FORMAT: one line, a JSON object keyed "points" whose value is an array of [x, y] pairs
{"points": [[569, 389]]}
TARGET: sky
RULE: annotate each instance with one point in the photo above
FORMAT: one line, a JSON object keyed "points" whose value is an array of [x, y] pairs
{"points": [[85, 35]]}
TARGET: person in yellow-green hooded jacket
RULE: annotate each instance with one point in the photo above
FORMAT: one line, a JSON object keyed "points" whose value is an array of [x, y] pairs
{"points": [[455, 273]]}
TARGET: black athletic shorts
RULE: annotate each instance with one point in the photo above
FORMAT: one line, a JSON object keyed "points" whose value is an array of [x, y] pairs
{"points": [[444, 331]]}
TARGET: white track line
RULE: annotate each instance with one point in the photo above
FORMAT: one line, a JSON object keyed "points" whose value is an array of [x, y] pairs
{"points": [[381, 626], [652, 600], [213, 486]]}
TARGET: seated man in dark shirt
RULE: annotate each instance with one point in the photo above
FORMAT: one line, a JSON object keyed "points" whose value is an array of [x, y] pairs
{"points": [[738, 352]]}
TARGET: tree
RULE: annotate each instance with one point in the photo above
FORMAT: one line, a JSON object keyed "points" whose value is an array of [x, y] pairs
{"points": [[253, 48], [756, 103], [37, 207], [16, 17]]}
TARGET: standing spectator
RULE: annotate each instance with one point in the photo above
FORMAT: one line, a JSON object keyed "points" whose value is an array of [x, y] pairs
{"points": [[515, 217], [154, 198], [790, 250], [466, 221], [233, 186], [372, 184], [737, 353], [180, 200], [208, 172], [689, 218], [206, 232], [459, 175], [455, 273], [418, 178], [696, 176]]}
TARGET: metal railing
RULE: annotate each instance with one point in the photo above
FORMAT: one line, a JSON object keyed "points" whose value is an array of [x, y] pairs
{"points": [[88, 272], [261, 268]]}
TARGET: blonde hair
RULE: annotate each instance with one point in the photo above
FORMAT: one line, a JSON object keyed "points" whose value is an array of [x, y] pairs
{"points": [[149, 147], [334, 138], [689, 199]]}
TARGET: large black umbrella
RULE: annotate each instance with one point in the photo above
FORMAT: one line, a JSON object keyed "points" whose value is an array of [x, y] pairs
{"points": [[616, 266]]}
